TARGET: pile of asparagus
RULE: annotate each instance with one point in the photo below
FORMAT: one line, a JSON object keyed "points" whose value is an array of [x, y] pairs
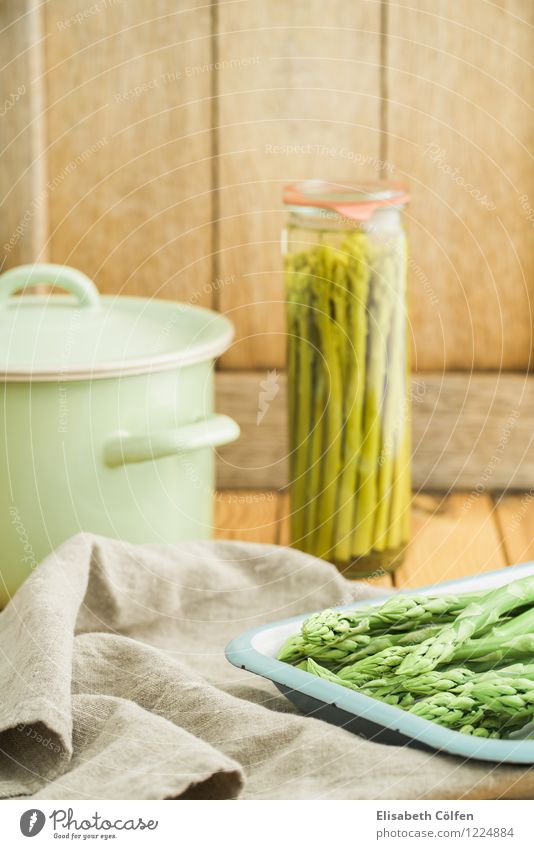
{"points": [[464, 661], [348, 408]]}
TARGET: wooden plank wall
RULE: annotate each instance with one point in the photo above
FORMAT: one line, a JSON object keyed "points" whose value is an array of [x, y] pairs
{"points": [[436, 93], [164, 132], [129, 144], [451, 538], [171, 127], [308, 99], [23, 191], [460, 130], [469, 432]]}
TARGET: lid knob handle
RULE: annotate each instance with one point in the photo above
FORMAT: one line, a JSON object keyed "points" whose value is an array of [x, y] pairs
{"points": [[70, 279]]}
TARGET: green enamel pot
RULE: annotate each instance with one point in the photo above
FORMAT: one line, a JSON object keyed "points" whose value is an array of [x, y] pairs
{"points": [[107, 417]]}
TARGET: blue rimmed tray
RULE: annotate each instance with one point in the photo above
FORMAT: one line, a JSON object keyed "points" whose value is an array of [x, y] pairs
{"points": [[255, 650]]}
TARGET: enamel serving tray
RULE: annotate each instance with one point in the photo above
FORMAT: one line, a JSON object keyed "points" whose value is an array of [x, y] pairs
{"points": [[256, 651]]}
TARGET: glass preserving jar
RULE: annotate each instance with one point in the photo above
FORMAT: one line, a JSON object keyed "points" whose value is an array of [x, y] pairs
{"points": [[349, 409]]}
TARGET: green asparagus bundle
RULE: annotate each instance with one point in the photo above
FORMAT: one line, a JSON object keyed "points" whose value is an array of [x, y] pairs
{"points": [[492, 727], [399, 612], [301, 411], [355, 648], [348, 395], [508, 701], [450, 709], [385, 404], [326, 674], [330, 307], [359, 276], [439, 681], [453, 643], [474, 704], [445, 658], [421, 685], [509, 641], [402, 699], [469, 622], [343, 630]]}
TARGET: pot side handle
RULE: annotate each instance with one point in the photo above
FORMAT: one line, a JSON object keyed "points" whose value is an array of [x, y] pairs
{"points": [[74, 281], [126, 448]]}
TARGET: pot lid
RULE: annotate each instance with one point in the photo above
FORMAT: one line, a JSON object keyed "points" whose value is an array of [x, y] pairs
{"points": [[86, 335]]}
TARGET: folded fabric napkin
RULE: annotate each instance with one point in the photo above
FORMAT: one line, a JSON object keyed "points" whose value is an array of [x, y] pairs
{"points": [[115, 686]]}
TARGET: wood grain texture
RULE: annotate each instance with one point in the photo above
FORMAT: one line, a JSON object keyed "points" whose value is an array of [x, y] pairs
{"points": [[473, 430], [255, 516], [385, 581], [247, 516], [298, 96], [468, 431], [515, 515], [284, 512], [460, 130], [259, 457], [130, 92], [128, 89], [23, 201], [451, 538], [454, 536]]}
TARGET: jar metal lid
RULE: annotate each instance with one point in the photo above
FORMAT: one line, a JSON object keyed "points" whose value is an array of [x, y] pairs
{"points": [[357, 201]]}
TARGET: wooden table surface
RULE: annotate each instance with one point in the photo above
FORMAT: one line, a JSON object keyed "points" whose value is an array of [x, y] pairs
{"points": [[452, 536]]}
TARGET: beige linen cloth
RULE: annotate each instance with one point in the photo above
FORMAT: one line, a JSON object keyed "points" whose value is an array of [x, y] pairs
{"points": [[114, 685]]}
